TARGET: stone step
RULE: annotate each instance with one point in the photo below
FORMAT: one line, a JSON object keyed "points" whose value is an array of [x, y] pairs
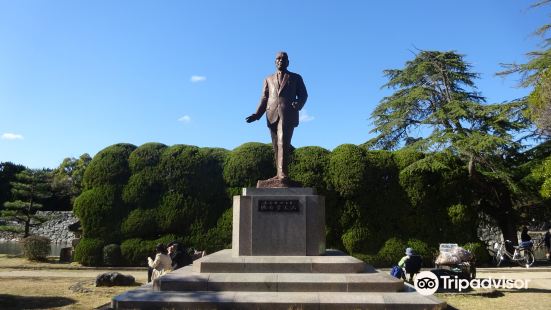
{"points": [[333, 262], [145, 298], [185, 279]]}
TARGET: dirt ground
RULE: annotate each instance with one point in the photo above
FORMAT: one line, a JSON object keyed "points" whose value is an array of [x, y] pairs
{"points": [[51, 285], [537, 296]]}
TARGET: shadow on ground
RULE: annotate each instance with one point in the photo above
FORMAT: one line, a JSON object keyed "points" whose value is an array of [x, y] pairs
{"points": [[33, 302]]}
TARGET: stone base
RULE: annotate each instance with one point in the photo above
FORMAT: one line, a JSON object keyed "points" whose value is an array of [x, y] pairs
{"points": [[332, 262], [278, 222], [186, 288], [145, 298]]}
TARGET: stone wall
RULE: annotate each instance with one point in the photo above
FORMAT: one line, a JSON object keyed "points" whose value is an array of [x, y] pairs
{"points": [[488, 231], [57, 227]]}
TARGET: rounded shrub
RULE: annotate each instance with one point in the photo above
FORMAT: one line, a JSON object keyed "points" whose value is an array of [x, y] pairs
{"points": [[143, 189], [358, 240], [140, 223], [479, 251], [406, 156], [100, 211], [112, 255], [309, 166], [145, 156], [249, 163], [179, 167], [135, 251], [109, 166], [177, 213], [209, 186], [220, 236], [89, 252], [424, 250], [36, 247], [347, 170], [392, 251]]}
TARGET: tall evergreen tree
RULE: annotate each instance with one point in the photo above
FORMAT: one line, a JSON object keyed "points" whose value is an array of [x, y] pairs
{"points": [[28, 189], [7, 175], [436, 107], [535, 73]]}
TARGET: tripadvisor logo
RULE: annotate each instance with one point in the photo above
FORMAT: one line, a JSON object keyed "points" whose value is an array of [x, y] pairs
{"points": [[426, 283]]}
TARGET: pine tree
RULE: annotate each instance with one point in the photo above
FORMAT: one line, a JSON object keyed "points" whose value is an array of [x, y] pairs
{"points": [[436, 107], [535, 73], [29, 187]]}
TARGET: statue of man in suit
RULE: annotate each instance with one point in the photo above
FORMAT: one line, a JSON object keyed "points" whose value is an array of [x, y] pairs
{"points": [[283, 96]]}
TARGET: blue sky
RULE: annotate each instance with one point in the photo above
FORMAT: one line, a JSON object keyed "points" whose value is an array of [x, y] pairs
{"points": [[78, 76]]}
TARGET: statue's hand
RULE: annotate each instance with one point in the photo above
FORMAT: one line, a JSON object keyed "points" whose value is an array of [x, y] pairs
{"points": [[253, 117], [294, 104]]}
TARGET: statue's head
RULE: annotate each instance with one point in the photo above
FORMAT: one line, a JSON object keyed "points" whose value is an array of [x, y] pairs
{"points": [[282, 61]]}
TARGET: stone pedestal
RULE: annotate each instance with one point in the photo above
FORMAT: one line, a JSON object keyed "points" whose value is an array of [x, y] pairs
{"points": [[278, 261], [278, 222]]}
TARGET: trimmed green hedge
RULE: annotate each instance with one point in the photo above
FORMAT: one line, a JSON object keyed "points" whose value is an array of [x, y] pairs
{"points": [[100, 211], [373, 199], [109, 166], [112, 255], [135, 251], [89, 252], [347, 170], [248, 163]]}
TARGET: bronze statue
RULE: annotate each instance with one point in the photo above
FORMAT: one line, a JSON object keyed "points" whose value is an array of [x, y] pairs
{"points": [[283, 96]]}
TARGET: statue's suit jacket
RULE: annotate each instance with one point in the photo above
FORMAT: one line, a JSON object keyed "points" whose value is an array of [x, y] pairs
{"points": [[276, 99]]}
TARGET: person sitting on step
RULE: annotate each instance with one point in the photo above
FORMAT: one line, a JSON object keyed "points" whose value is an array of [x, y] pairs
{"points": [[411, 263]]}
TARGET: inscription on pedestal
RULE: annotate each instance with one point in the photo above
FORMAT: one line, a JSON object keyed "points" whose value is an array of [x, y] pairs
{"points": [[278, 206]]}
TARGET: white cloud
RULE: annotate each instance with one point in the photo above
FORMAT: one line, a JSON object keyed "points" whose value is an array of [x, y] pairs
{"points": [[197, 78], [11, 136], [304, 117], [185, 119]]}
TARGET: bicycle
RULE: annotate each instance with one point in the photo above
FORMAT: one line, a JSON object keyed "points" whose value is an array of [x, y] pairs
{"points": [[522, 255]]}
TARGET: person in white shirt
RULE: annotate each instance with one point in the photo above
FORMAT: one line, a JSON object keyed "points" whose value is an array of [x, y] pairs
{"points": [[161, 264]]}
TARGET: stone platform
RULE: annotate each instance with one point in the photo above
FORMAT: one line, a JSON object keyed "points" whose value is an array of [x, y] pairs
{"points": [[278, 222], [332, 262], [222, 281]]}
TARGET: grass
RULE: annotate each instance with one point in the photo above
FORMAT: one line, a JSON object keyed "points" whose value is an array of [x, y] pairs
{"points": [[27, 284], [64, 293], [526, 299]]}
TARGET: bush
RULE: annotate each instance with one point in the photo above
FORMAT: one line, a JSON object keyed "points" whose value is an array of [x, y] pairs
{"points": [[372, 259], [109, 166], [135, 251], [36, 247], [143, 189], [140, 223], [146, 155], [309, 166], [220, 236], [358, 240], [179, 167], [89, 252], [391, 252], [479, 250], [249, 163], [424, 250], [112, 255], [100, 211], [347, 170]]}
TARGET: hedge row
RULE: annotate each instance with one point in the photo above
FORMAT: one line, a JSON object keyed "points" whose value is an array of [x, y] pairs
{"points": [[136, 196]]}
